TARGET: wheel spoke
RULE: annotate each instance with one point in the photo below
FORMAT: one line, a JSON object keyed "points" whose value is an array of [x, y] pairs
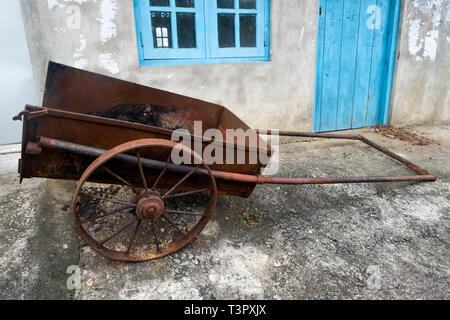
{"points": [[141, 171], [105, 215], [117, 233], [173, 225], [162, 173], [182, 194], [120, 178], [156, 236], [184, 212], [110, 223], [134, 237], [90, 195], [181, 181]]}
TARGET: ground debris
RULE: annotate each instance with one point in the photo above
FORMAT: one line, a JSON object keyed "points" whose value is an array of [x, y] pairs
{"points": [[404, 134]]}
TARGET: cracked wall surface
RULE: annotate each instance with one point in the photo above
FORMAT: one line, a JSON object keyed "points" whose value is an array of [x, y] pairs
{"points": [[422, 76], [100, 36]]}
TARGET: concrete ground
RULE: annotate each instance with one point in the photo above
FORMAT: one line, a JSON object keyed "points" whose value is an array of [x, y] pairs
{"points": [[360, 241]]}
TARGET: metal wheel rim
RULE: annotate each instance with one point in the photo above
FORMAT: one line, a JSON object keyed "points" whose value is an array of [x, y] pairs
{"points": [[173, 246]]}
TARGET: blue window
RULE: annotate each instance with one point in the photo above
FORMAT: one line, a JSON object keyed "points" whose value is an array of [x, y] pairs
{"points": [[202, 31]]}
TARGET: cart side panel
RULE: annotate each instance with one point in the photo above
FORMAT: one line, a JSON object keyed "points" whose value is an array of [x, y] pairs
{"points": [[80, 91], [58, 164]]}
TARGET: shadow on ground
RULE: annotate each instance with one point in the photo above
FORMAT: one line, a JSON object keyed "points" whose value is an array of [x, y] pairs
{"points": [[350, 241], [37, 238]]}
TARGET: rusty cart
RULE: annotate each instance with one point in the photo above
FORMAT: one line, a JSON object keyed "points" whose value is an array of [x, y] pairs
{"points": [[107, 133]]}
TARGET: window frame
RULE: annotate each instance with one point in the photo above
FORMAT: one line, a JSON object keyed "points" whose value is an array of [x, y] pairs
{"points": [[210, 54], [215, 51], [175, 52]]}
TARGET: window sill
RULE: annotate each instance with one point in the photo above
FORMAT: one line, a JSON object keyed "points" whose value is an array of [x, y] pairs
{"points": [[177, 62]]}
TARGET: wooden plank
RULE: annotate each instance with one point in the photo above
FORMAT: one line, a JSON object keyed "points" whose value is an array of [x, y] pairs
{"points": [[319, 65], [380, 24], [331, 68], [350, 29], [394, 17], [363, 67], [354, 64]]}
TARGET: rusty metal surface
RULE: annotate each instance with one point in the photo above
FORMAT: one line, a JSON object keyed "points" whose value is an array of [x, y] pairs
{"points": [[69, 147], [250, 178], [84, 92], [424, 175], [86, 114], [103, 134], [94, 128], [77, 107], [149, 206]]}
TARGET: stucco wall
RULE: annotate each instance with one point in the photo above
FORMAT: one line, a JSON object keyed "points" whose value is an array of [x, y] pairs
{"points": [[16, 77], [275, 94], [267, 94], [422, 76]]}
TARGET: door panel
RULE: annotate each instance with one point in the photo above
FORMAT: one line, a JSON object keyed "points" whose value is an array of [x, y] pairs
{"points": [[366, 44], [378, 62], [331, 54], [351, 63], [348, 65]]}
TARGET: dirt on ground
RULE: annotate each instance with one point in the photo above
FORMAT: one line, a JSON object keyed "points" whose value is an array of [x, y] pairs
{"points": [[404, 134], [343, 241]]}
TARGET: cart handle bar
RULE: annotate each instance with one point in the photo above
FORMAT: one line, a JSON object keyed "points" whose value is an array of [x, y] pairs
{"points": [[50, 143]]}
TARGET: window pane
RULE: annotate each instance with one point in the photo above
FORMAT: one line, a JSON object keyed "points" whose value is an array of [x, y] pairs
{"points": [[185, 3], [247, 4], [225, 4], [225, 25], [186, 30], [248, 30], [162, 31], [159, 3]]}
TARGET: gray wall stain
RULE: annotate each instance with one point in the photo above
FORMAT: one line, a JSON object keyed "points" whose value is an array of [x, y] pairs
{"points": [[16, 80], [422, 80], [275, 94]]}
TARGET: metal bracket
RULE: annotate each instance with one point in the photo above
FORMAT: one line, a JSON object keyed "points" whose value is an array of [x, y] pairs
{"points": [[29, 115]]}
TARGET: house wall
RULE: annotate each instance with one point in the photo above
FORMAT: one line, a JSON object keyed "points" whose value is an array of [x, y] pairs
{"points": [[100, 36], [16, 77], [422, 76]]}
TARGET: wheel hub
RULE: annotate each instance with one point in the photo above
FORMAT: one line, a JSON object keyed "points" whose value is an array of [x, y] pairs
{"points": [[150, 207]]}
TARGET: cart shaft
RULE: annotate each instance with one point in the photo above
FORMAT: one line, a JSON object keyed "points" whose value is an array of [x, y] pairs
{"points": [[248, 178]]}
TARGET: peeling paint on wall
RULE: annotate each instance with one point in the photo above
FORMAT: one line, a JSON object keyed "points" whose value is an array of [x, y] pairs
{"points": [[108, 12], [82, 43], [107, 62], [54, 3], [73, 20], [414, 43], [60, 3], [431, 43], [425, 20], [302, 32], [79, 61], [106, 42]]}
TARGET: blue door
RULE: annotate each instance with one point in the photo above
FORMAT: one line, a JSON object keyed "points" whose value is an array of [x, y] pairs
{"points": [[355, 57]]}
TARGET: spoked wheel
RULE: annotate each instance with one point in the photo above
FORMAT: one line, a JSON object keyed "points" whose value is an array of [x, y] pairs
{"points": [[159, 212]]}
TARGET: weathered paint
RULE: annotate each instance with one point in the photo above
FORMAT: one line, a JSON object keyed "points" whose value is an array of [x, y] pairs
{"points": [[79, 60], [422, 78], [245, 88], [274, 94], [107, 62], [108, 13], [353, 51]]}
